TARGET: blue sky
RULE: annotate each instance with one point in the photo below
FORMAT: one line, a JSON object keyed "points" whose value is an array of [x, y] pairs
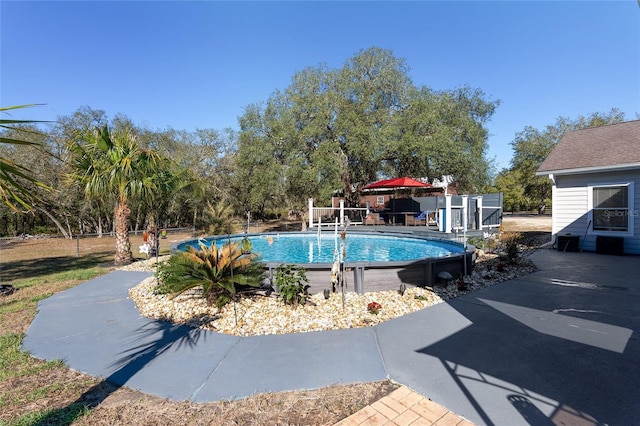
{"points": [[195, 65]]}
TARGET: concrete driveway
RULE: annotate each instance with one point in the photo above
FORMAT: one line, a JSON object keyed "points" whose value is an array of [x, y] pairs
{"points": [[559, 346]]}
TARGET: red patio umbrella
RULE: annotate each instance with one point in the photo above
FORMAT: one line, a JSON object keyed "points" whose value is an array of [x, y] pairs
{"points": [[401, 182], [396, 183]]}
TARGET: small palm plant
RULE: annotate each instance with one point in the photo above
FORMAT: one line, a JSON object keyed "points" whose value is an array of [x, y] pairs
{"points": [[223, 273]]}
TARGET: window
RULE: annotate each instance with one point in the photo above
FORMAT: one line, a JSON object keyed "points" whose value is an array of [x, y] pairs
{"points": [[610, 208], [380, 200]]}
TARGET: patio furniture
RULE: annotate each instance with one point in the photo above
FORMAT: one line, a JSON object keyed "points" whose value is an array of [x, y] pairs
{"points": [[374, 219], [415, 219], [432, 218]]}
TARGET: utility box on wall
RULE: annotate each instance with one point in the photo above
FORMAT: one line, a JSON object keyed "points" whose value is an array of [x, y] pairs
{"points": [[568, 243], [610, 245]]}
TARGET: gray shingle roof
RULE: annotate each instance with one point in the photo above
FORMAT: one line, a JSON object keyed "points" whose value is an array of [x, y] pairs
{"points": [[598, 148]]}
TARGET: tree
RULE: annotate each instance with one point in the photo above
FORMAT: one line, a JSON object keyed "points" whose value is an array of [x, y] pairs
{"points": [[113, 166], [39, 158], [372, 89], [343, 128], [514, 198], [531, 147], [201, 171], [443, 133], [259, 179], [84, 214], [205, 162], [13, 192]]}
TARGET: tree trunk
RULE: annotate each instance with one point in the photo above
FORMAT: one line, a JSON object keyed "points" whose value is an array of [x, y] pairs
{"points": [[152, 234], [135, 229], [66, 219], [195, 216], [123, 245], [351, 198], [53, 219]]}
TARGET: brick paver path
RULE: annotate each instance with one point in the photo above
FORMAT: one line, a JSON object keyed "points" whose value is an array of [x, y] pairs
{"points": [[404, 407]]}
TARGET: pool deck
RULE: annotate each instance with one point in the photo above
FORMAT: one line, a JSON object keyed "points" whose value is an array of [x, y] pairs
{"points": [[558, 346], [430, 231]]}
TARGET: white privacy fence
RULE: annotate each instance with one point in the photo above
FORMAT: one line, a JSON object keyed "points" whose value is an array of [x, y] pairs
{"points": [[459, 213], [329, 216], [453, 213]]}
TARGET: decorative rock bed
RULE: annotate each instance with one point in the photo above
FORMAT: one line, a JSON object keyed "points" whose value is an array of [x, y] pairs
{"points": [[260, 315]]}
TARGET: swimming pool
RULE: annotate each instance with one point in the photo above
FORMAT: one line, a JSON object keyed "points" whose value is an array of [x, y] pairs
{"points": [[304, 248], [389, 259]]}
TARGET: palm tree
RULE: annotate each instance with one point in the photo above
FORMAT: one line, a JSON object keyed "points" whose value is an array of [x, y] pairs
{"points": [[113, 166], [12, 191]]}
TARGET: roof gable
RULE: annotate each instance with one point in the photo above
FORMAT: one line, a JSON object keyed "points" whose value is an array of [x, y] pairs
{"points": [[609, 147]]}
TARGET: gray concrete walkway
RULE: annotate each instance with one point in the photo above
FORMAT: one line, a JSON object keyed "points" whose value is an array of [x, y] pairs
{"points": [[559, 346]]}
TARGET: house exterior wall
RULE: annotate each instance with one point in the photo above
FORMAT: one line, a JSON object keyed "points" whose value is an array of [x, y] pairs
{"points": [[571, 207]]}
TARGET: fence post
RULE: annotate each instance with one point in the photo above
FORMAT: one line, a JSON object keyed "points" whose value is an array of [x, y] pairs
{"points": [[479, 216], [465, 210], [447, 214], [358, 278], [77, 245], [310, 213]]}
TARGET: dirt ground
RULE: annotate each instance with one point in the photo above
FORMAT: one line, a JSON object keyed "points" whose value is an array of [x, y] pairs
{"points": [[83, 400], [526, 223]]}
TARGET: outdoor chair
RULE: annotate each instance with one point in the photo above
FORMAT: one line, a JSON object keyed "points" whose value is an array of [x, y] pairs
{"points": [[415, 219], [374, 219], [431, 218]]}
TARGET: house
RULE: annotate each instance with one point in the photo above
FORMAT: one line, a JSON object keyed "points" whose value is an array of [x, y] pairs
{"points": [[596, 189]]}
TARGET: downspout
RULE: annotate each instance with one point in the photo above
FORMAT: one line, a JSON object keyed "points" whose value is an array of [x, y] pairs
{"points": [[554, 232]]}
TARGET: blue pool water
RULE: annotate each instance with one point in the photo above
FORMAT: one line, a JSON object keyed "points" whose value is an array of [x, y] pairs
{"points": [[309, 248]]}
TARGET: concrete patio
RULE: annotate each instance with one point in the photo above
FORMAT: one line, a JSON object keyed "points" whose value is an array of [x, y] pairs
{"points": [[558, 346]]}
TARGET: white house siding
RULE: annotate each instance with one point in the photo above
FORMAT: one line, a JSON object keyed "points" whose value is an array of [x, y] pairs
{"points": [[571, 206]]}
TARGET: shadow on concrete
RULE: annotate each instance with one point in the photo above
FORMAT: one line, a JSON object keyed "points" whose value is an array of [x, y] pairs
{"points": [[158, 337], [171, 336], [546, 365]]}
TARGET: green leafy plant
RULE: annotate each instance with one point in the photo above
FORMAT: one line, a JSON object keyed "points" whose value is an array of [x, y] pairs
{"points": [[223, 273], [477, 242], [291, 283], [220, 216], [246, 245], [13, 176]]}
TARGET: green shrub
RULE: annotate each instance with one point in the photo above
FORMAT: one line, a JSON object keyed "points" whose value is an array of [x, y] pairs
{"points": [[509, 242], [292, 286], [222, 273], [477, 242]]}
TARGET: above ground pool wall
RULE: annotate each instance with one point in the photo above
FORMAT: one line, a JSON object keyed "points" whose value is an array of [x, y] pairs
{"points": [[361, 277]]}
